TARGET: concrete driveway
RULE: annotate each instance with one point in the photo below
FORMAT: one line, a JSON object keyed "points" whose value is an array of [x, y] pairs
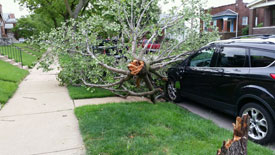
{"points": [[221, 119]]}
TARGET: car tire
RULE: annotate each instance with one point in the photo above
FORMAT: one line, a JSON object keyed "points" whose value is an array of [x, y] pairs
{"points": [[261, 128], [172, 92]]}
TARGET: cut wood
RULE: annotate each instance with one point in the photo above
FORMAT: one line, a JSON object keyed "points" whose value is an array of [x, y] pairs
{"points": [[238, 144], [135, 66]]}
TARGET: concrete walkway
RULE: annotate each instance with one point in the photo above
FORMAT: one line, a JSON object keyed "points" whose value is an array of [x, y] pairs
{"points": [[39, 119]]}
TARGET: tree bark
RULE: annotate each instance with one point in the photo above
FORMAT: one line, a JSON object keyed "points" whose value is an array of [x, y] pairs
{"points": [[69, 10], [74, 13], [237, 145]]}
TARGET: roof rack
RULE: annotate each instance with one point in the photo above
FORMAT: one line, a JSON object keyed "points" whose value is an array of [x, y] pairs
{"points": [[262, 36]]}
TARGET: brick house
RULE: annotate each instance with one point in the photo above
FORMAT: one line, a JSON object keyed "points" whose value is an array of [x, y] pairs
{"points": [[7, 23], [231, 19], [262, 11], [10, 23], [2, 23]]}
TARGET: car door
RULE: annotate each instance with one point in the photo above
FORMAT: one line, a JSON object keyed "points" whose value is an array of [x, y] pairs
{"points": [[233, 66], [195, 78]]}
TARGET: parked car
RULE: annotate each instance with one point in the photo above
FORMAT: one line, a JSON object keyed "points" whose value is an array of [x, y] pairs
{"points": [[110, 48], [235, 76], [106, 46], [151, 46]]}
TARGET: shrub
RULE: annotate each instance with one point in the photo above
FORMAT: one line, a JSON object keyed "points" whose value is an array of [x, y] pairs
{"points": [[245, 30], [260, 25]]}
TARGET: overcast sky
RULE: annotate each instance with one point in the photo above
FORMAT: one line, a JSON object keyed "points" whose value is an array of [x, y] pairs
{"points": [[9, 6]]}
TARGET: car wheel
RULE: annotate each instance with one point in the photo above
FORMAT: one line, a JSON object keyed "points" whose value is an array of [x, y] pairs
{"points": [[172, 91], [261, 123]]}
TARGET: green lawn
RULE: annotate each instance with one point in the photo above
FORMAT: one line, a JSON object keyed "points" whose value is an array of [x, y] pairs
{"points": [[10, 77], [144, 128], [11, 73], [30, 49], [20, 45], [7, 89], [28, 59], [82, 93]]}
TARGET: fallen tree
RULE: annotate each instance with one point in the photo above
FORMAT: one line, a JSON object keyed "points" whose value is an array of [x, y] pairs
{"points": [[143, 71], [238, 144]]}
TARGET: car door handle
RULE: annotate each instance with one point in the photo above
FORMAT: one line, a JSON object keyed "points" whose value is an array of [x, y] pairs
{"points": [[237, 70]]}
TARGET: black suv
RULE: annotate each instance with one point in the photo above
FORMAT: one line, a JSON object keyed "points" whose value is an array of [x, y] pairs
{"points": [[234, 76]]}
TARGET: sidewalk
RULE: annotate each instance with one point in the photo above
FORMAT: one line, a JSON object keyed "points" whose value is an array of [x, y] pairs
{"points": [[39, 119]]}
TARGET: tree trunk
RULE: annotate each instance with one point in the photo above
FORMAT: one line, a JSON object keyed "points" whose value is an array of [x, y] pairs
{"points": [[82, 4], [237, 145]]}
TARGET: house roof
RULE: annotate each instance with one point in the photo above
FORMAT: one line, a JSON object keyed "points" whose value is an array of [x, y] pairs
{"points": [[260, 3], [254, 3], [227, 12]]}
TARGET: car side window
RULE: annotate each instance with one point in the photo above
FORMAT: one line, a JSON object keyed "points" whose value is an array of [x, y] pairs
{"points": [[232, 57], [202, 58], [261, 58]]}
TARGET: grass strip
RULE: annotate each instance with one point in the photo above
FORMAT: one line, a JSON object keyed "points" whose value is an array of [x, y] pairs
{"points": [[11, 73], [7, 89], [144, 128], [83, 93]]}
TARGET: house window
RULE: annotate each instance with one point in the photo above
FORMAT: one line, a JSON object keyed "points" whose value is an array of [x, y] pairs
{"points": [[273, 17], [204, 26], [245, 21]]}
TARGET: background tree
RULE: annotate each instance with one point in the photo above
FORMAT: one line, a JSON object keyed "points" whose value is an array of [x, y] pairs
{"points": [[53, 12], [32, 25], [50, 9], [140, 74]]}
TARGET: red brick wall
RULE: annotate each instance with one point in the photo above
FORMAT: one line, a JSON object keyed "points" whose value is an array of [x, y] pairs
{"points": [[270, 30], [260, 15], [227, 35], [1, 20], [239, 7]]}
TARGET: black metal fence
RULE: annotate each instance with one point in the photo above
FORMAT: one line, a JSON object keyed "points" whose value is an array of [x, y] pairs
{"points": [[11, 51]]}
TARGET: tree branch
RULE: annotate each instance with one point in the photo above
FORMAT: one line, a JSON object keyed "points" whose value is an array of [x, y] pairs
{"points": [[142, 14], [104, 65], [68, 8], [175, 59]]}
